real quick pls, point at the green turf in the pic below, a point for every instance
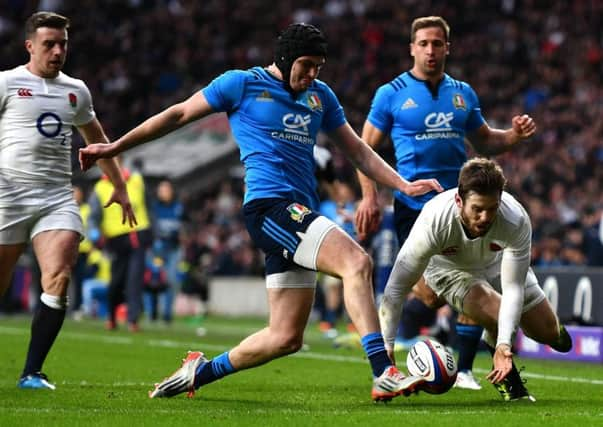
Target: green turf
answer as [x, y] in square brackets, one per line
[103, 377]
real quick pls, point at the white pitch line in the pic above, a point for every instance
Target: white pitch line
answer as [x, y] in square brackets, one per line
[301, 354]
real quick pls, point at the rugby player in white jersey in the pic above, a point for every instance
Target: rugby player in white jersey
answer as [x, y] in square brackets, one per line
[472, 244]
[39, 105]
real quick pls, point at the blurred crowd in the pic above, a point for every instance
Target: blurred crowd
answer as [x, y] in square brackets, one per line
[542, 57]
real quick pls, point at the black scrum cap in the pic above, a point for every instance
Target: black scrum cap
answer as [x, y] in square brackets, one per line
[295, 41]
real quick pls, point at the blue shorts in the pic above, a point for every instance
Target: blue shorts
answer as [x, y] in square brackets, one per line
[273, 225]
[404, 219]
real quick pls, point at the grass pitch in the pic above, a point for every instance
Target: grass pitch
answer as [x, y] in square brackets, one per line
[103, 378]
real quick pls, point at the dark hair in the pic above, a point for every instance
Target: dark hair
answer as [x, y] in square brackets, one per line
[427, 22]
[45, 19]
[294, 41]
[482, 176]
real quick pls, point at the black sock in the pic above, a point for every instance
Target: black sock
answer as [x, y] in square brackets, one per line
[45, 327]
[468, 337]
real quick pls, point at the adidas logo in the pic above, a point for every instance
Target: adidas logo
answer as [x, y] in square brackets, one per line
[409, 103]
[264, 97]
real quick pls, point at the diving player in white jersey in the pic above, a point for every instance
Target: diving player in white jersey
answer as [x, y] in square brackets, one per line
[472, 245]
[39, 105]
[428, 115]
[275, 114]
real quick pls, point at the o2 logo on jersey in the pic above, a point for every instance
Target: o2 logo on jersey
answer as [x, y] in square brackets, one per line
[50, 125]
[438, 121]
[297, 123]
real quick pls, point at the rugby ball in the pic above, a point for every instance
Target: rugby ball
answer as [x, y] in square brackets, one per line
[434, 362]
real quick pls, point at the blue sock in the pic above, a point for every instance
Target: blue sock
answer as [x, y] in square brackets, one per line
[215, 369]
[331, 317]
[468, 337]
[375, 350]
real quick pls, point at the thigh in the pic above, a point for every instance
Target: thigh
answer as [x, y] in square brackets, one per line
[468, 293]
[338, 253]
[20, 207]
[540, 322]
[56, 252]
[290, 309]
[427, 295]
[9, 255]
[482, 304]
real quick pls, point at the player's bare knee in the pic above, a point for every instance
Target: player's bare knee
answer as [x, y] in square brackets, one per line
[291, 343]
[431, 300]
[56, 283]
[359, 263]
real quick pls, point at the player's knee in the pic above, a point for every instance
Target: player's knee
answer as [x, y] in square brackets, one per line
[56, 283]
[289, 343]
[466, 320]
[359, 263]
[431, 300]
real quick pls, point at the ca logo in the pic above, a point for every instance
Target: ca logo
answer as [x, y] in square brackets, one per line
[296, 123]
[439, 120]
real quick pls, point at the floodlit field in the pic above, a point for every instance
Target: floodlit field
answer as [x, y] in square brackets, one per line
[103, 377]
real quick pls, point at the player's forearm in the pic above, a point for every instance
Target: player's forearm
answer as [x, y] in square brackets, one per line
[499, 141]
[390, 312]
[399, 285]
[509, 313]
[113, 172]
[369, 163]
[153, 128]
[368, 187]
[513, 277]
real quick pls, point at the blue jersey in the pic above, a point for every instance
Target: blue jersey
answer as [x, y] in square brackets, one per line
[427, 128]
[275, 132]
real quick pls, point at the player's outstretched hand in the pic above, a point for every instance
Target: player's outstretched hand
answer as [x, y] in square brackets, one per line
[422, 186]
[91, 153]
[503, 362]
[524, 126]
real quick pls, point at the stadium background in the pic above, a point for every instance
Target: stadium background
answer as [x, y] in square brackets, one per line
[541, 57]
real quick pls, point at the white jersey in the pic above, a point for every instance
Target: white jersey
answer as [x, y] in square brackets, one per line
[438, 241]
[37, 116]
[438, 236]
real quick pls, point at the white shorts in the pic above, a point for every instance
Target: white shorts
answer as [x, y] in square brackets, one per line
[454, 285]
[26, 211]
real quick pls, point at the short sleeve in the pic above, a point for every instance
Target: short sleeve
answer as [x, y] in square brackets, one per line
[225, 92]
[85, 110]
[380, 114]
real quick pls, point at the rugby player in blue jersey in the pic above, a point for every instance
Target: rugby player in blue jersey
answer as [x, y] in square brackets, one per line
[427, 114]
[275, 114]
